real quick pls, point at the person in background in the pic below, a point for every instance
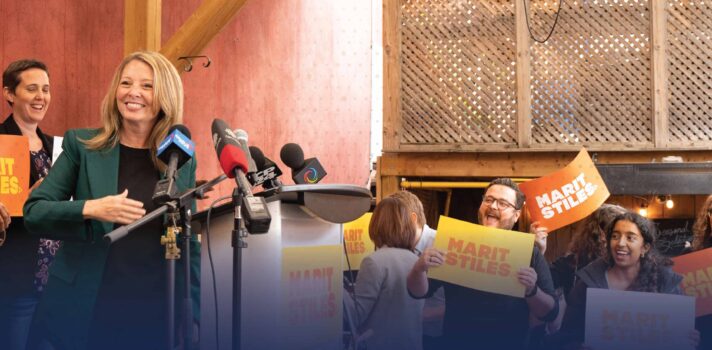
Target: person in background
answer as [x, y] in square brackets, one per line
[631, 263]
[702, 239]
[112, 297]
[24, 259]
[483, 319]
[380, 302]
[434, 309]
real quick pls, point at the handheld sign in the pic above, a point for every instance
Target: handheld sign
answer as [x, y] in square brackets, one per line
[566, 195]
[358, 244]
[482, 258]
[696, 269]
[636, 320]
[14, 172]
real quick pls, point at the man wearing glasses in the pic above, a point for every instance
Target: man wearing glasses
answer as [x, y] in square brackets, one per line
[483, 320]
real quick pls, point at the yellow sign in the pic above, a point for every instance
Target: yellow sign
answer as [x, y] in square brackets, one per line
[358, 244]
[312, 307]
[14, 172]
[482, 258]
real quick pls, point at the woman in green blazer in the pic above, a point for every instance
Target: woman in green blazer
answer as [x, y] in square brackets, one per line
[101, 296]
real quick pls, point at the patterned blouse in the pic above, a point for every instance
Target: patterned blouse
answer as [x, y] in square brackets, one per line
[48, 248]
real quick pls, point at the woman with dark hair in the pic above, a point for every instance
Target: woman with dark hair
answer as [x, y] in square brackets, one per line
[112, 297]
[631, 263]
[587, 245]
[702, 239]
[24, 259]
[380, 303]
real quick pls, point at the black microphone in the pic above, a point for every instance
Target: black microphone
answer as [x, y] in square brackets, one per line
[307, 171]
[234, 162]
[175, 150]
[267, 171]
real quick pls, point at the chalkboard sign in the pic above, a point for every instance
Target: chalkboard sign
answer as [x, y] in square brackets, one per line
[672, 235]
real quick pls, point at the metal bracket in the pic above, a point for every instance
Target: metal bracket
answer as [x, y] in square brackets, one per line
[189, 67]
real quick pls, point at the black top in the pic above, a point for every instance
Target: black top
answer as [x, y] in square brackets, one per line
[477, 319]
[130, 305]
[18, 256]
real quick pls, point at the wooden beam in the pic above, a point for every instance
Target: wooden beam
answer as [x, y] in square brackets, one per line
[509, 164]
[202, 26]
[391, 76]
[524, 108]
[142, 25]
[658, 66]
[385, 185]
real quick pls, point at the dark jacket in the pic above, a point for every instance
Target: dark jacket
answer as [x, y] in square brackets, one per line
[18, 256]
[67, 305]
[594, 276]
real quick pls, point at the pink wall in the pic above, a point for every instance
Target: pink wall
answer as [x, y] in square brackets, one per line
[284, 71]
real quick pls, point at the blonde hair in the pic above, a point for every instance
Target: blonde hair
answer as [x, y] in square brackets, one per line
[167, 100]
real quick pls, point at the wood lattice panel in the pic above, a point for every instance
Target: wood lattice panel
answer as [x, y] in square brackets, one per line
[458, 72]
[689, 49]
[591, 82]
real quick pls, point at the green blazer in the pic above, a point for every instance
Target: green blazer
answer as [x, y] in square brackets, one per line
[66, 307]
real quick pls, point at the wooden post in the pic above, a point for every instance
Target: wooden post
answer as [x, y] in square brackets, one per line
[385, 185]
[202, 26]
[658, 66]
[391, 76]
[142, 25]
[524, 109]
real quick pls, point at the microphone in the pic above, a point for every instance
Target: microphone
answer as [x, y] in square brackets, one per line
[174, 151]
[234, 162]
[267, 170]
[307, 171]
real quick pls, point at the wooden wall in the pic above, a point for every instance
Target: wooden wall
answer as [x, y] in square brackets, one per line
[284, 71]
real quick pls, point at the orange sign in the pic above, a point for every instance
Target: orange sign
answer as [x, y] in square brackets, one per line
[696, 269]
[566, 195]
[14, 172]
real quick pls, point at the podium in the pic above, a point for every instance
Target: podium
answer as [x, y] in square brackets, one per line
[291, 276]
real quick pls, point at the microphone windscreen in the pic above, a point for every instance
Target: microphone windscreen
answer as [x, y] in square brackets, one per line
[232, 157]
[182, 128]
[292, 155]
[177, 141]
[258, 157]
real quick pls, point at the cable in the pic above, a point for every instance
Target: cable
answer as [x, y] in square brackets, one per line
[529, 28]
[212, 268]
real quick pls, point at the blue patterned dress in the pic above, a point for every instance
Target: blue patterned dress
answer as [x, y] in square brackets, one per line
[48, 248]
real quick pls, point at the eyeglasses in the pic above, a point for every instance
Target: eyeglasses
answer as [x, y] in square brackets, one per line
[501, 203]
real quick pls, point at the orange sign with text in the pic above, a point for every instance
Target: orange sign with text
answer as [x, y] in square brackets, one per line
[696, 270]
[14, 172]
[482, 258]
[566, 195]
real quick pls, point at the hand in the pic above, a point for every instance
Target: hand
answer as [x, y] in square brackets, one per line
[527, 276]
[695, 338]
[117, 209]
[4, 217]
[431, 257]
[541, 233]
[36, 184]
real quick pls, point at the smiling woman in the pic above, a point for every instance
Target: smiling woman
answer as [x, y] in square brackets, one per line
[631, 263]
[24, 260]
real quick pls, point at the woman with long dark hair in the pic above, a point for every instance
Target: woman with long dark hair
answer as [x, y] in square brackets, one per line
[631, 263]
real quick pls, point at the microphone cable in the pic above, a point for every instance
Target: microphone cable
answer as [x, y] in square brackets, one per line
[212, 268]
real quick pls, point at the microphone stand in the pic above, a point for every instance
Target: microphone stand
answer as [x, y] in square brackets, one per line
[177, 207]
[239, 233]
